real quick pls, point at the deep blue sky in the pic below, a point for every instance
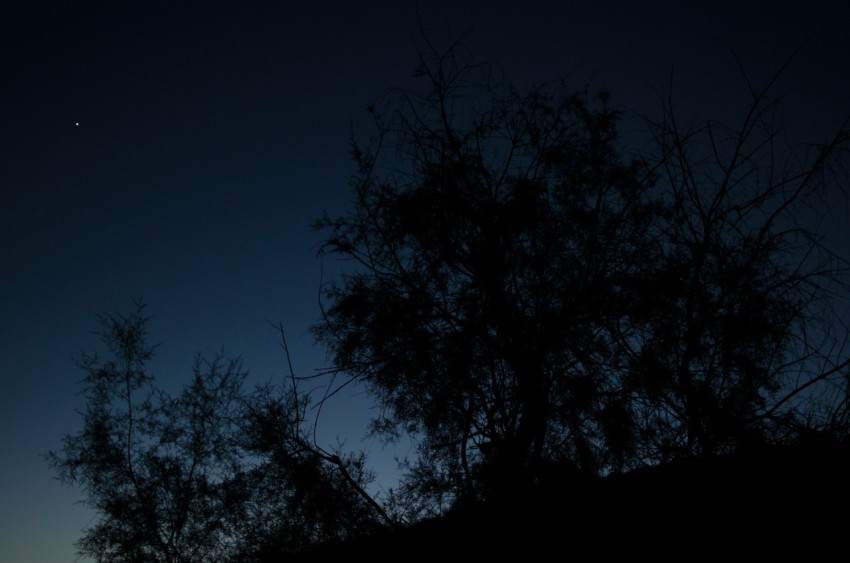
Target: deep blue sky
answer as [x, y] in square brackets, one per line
[211, 133]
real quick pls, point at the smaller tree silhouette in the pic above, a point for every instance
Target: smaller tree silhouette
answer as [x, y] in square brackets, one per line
[163, 473]
[213, 474]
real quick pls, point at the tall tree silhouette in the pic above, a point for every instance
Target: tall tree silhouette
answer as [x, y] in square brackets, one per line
[493, 244]
[524, 294]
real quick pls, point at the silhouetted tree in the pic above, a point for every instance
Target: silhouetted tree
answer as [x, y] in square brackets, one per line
[494, 234]
[523, 294]
[213, 474]
[162, 472]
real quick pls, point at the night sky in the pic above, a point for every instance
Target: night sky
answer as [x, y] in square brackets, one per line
[178, 151]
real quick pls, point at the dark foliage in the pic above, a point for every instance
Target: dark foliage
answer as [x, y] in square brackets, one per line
[493, 256]
[524, 294]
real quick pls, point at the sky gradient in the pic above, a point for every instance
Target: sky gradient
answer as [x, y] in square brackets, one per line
[177, 152]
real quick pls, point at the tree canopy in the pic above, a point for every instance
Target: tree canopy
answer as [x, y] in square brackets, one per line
[527, 292]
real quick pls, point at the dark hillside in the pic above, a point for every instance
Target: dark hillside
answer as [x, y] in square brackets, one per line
[766, 502]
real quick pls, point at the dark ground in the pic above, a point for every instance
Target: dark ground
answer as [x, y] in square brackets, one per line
[776, 502]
